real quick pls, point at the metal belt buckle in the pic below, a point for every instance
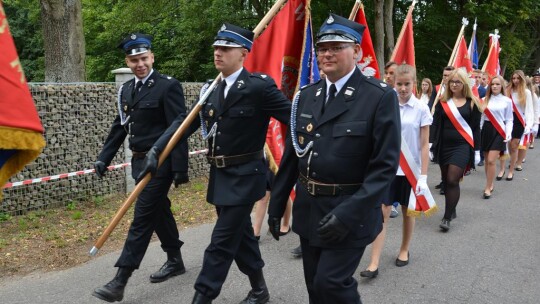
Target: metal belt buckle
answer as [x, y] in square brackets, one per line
[311, 187]
[220, 161]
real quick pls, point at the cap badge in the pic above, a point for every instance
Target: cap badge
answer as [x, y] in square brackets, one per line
[223, 27]
[133, 37]
[309, 127]
[330, 20]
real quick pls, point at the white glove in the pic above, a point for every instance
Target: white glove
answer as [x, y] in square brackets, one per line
[430, 153]
[476, 157]
[508, 137]
[527, 130]
[421, 185]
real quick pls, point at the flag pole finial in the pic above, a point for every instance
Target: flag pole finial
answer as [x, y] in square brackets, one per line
[464, 21]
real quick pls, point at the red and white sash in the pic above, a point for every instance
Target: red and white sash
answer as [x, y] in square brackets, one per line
[498, 125]
[458, 121]
[417, 204]
[525, 138]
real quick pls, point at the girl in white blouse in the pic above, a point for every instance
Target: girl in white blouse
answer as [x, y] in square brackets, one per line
[523, 119]
[497, 129]
[415, 121]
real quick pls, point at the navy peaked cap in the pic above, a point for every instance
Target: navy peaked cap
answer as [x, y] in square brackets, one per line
[136, 43]
[339, 29]
[230, 35]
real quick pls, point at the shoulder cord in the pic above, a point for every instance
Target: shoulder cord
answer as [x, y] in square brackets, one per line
[123, 118]
[205, 134]
[294, 109]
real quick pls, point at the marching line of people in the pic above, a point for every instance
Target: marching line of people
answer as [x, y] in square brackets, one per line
[341, 156]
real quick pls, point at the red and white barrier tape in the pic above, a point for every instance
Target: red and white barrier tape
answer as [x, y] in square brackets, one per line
[66, 175]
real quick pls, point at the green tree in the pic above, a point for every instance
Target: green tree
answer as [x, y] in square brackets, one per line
[25, 26]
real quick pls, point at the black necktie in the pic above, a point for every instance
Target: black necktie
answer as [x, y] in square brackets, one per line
[136, 90]
[222, 86]
[331, 95]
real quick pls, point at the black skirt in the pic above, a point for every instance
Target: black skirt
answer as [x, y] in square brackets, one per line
[491, 139]
[400, 191]
[518, 129]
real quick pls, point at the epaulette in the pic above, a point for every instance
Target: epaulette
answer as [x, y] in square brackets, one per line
[378, 83]
[310, 84]
[166, 77]
[260, 75]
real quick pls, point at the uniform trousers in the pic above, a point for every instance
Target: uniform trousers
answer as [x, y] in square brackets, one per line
[232, 239]
[152, 213]
[328, 273]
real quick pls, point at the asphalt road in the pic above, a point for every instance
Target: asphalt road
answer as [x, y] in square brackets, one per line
[490, 255]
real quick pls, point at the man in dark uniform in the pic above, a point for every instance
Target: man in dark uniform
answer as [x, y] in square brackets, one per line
[147, 105]
[234, 120]
[342, 153]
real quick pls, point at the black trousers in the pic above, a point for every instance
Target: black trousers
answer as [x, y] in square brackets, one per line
[152, 213]
[328, 273]
[232, 239]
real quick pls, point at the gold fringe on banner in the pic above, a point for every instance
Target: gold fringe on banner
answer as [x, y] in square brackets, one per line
[29, 145]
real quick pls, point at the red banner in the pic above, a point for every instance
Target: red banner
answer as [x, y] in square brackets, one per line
[368, 61]
[404, 50]
[463, 59]
[277, 52]
[21, 138]
[491, 65]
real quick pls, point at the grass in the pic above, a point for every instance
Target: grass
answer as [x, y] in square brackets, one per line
[60, 238]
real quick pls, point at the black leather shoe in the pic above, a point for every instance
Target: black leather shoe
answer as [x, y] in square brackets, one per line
[445, 225]
[369, 274]
[439, 186]
[297, 252]
[199, 298]
[173, 267]
[114, 290]
[441, 191]
[501, 177]
[401, 263]
[285, 233]
[486, 196]
[257, 297]
[509, 178]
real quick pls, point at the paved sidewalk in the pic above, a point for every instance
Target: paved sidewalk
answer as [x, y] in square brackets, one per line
[490, 255]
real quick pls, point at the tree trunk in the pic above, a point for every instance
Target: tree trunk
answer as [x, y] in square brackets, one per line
[379, 34]
[63, 40]
[389, 27]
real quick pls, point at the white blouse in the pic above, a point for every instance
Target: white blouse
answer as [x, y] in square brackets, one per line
[414, 115]
[501, 108]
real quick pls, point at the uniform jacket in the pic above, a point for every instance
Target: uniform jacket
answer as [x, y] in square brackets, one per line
[356, 140]
[159, 101]
[242, 122]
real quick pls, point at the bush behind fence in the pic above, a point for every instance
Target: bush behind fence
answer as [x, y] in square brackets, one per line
[76, 119]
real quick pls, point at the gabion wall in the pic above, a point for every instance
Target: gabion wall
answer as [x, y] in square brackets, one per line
[76, 119]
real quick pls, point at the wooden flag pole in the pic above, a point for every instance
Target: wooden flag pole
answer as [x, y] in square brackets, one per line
[176, 138]
[355, 9]
[464, 23]
[402, 32]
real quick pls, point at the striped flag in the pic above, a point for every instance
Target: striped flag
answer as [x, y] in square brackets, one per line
[21, 132]
[473, 48]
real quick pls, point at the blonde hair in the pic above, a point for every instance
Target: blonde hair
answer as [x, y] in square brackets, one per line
[519, 89]
[466, 91]
[489, 93]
